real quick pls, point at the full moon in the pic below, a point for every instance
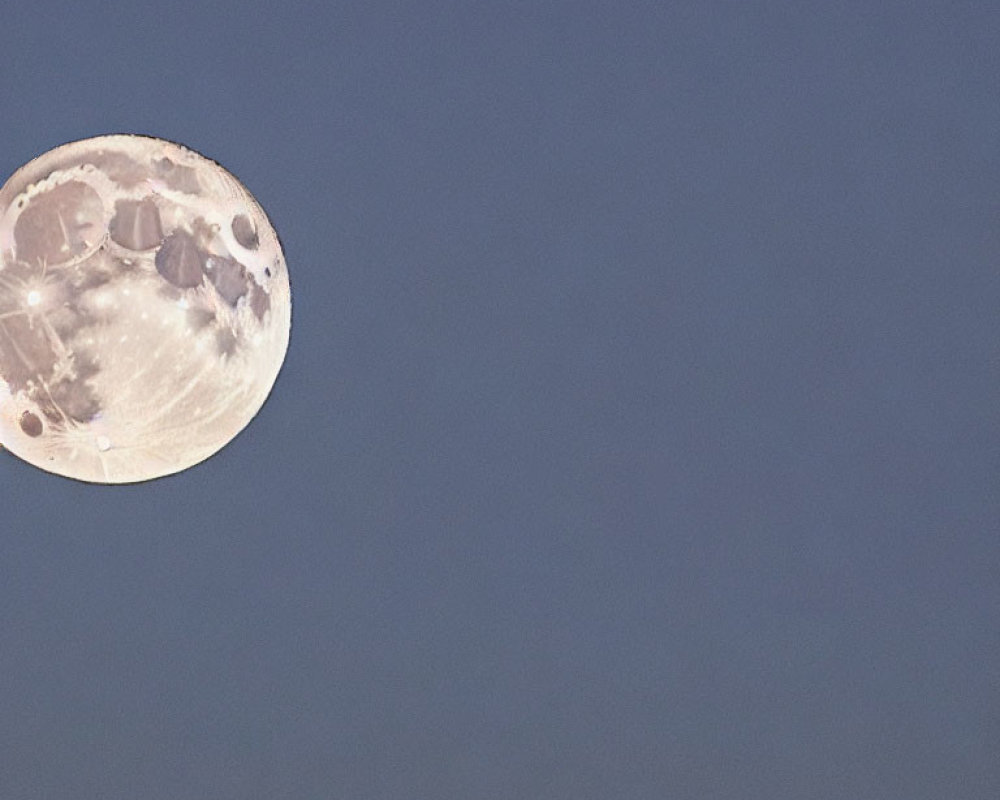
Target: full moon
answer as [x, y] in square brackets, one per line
[144, 309]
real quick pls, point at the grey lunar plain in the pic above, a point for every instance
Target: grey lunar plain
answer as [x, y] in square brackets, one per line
[144, 309]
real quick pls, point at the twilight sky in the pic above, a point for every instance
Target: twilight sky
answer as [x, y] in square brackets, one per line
[638, 435]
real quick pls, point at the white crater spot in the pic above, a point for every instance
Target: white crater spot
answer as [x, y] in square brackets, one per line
[144, 309]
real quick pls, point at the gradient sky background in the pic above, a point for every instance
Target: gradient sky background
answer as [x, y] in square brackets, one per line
[638, 436]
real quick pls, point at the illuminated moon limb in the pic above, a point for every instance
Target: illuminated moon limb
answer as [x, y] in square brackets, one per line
[144, 309]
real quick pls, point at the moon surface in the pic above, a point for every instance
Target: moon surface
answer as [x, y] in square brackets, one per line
[144, 309]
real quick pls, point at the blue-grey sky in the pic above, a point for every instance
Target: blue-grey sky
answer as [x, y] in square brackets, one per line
[638, 435]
